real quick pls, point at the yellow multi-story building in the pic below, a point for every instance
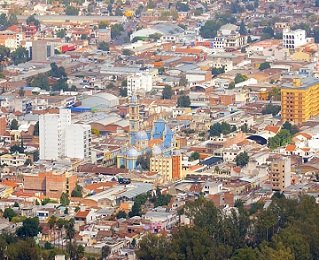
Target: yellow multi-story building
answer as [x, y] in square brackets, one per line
[169, 167]
[300, 100]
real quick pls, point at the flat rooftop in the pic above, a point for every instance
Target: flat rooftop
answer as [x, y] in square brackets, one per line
[306, 82]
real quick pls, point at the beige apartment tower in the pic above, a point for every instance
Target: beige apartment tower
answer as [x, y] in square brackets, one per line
[280, 173]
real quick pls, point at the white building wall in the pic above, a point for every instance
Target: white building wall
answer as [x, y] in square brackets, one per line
[194, 78]
[313, 143]
[139, 83]
[287, 177]
[49, 136]
[59, 138]
[77, 141]
[294, 39]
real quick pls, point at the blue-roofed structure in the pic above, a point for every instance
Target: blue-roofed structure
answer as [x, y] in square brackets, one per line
[80, 109]
[159, 140]
[212, 161]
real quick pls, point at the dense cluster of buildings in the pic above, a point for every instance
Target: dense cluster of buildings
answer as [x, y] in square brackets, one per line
[153, 101]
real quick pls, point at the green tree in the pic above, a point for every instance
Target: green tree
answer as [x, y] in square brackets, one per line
[268, 33]
[105, 252]
[281, 252]
[30, 228]
[123, 91]
[45, 201]
[240, 78]
[28, 162]
[23, 250]
[160, 199]
[61, 33]
[116, 30]
[103, 46]
[217, 71]
[40, 81]
[275, 94]
[183, 81]
[231, 85]
[31, 20]
[194, 156]
[209, 30]
[167, 92]
[121, 214]
[242, 28]
[9, 213]
[73, 88]
[291, 238]
[153, 247]
[84, 37]
[14, 125]
[56, 71]
[64, 199]
[143, 162]
[221, 128]
[21, 92]
[138, 202]
[69, 229]
[271, 109]
[70, 10]
[274, 142]
[60, 84]
[235, 7]
[20, 55]
[155, 37]
[264, 65]
[242, 159]
[183, 101]
[161, 70]
[291, 128]
[77, 192]
[48, 245]
[127, 52]
[245, 254]
[36, 129]
[182, 7]
[244, 128]
[4, 53]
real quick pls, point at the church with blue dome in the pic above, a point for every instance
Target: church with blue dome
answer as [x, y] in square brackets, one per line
[158, 141]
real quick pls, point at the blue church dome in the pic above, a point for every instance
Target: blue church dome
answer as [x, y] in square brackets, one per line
[132, 152]
[141, 135]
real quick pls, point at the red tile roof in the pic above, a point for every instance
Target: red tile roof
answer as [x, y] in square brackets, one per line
[82, 214]
[290, 147]
[273, 129]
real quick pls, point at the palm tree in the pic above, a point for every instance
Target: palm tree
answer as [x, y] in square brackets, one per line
[69, 229]
[106, 251]
[60, 224]
[52, 222]
[70, 233]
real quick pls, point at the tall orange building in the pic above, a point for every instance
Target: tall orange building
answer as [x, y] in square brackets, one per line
[300, 100]
[3, 125]
[176, 167]
[50, 184]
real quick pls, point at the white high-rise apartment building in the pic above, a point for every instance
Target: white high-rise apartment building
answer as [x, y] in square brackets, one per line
[293, 39]
[139, 83]
[56, 140]
[78, 141]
